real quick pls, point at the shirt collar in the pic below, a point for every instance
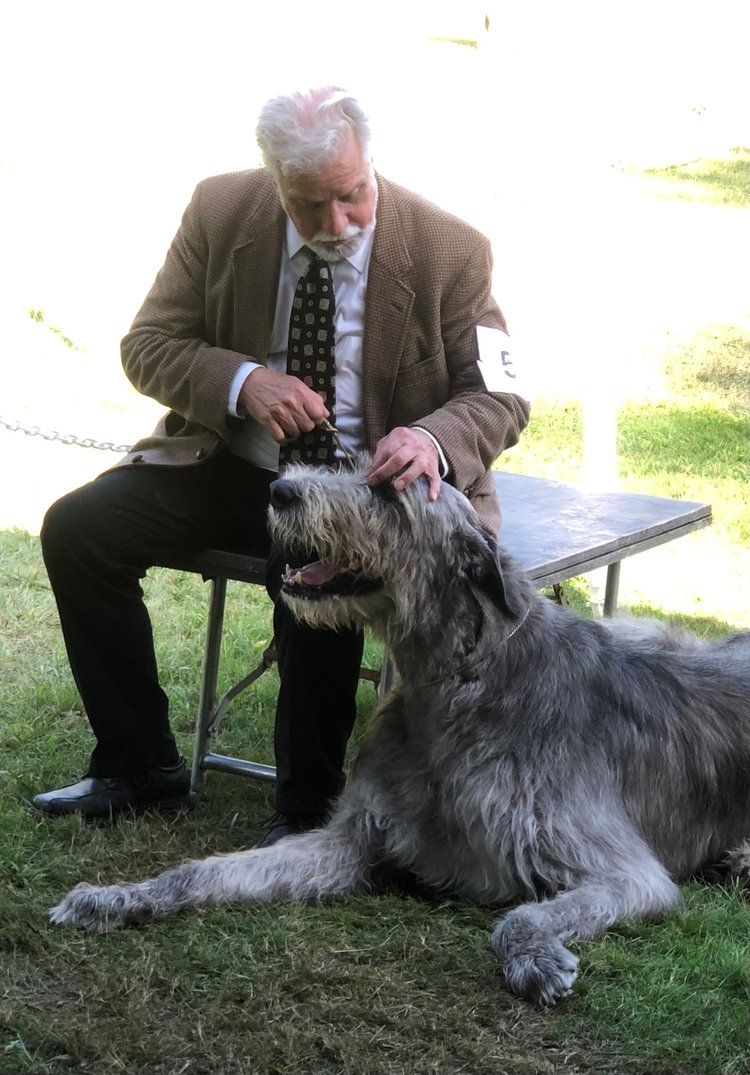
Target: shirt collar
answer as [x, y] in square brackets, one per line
[359, 261]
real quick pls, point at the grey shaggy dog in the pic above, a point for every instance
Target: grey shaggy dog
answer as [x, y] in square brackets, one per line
[524, 755]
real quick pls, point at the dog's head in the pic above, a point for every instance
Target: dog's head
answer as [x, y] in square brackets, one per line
[376, 550]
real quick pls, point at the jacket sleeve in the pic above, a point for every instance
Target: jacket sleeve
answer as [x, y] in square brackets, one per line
[168, 353]
[473, 426]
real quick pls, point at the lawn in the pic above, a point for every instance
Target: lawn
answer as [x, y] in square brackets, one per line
[383, 984]
[718, 181]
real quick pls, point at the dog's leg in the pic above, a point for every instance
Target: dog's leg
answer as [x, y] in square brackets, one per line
[738, 860]
[528, 940]
[331, 860]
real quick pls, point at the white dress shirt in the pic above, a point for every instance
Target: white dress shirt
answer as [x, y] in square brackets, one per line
[252, 441]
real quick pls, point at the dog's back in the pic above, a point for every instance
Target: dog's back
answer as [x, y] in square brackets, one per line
[685, 770]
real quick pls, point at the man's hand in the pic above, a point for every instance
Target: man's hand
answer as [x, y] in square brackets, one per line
[283, 404]
[408, 453]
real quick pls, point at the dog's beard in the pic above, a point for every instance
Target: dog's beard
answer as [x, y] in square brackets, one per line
[337, 611]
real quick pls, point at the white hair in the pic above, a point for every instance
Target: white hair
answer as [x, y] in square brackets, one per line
[299, 131]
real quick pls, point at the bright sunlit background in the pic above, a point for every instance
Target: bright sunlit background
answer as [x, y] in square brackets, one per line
[113, 112]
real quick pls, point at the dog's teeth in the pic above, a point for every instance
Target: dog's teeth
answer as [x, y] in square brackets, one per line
[287, 569]
[298, 578]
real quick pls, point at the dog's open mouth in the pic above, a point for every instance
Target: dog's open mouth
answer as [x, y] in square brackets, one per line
[327, 578]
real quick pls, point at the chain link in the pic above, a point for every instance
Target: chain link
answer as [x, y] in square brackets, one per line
[63, 438]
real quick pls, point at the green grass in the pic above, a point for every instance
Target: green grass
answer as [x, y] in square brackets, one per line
[684, 983]
[466, 42]
[389, 984]
[695, 443]
[715, 181]
[552, 443]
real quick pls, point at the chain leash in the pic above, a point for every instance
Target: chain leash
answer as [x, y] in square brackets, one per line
[62, 438]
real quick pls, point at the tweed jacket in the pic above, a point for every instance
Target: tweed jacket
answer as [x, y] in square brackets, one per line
[212, 306]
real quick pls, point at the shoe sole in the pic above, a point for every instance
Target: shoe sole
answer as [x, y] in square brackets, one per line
[180, 804]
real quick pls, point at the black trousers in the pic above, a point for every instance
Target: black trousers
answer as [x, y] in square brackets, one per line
[98, 542]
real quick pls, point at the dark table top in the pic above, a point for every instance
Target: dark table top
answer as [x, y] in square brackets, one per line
[555, 531]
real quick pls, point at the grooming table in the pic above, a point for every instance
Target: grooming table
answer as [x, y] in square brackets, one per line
[553, 530]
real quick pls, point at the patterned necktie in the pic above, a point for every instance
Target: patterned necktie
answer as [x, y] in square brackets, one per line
[311, 356]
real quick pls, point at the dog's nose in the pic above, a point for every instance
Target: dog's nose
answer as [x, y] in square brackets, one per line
[284, 492]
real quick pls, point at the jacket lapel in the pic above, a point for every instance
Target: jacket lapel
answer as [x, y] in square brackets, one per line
[388, 304]
[256, 265]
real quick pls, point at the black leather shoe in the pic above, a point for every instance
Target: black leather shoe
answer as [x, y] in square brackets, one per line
[281, 825]
[166, 788]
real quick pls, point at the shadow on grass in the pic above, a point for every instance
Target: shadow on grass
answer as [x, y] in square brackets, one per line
[713, 362]
[674, 441]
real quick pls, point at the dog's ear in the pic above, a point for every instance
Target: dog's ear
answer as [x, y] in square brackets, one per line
[483, 569]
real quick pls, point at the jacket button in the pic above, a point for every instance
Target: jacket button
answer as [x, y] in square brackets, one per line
[137, 459]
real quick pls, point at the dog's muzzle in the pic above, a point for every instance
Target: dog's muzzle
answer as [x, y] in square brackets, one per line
[317, 580]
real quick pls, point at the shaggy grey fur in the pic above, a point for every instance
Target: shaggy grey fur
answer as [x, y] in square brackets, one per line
[524, 755]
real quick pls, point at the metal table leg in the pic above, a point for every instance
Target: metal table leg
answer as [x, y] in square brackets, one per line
[611, 589]
[208, 679]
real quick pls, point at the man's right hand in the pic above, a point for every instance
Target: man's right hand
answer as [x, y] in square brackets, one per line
[284, 405]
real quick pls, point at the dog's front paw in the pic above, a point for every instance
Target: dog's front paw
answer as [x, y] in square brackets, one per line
[98, 910]
[738, 861]
[542, 971]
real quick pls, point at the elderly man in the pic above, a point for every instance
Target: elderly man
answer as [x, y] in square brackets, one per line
[312, 289]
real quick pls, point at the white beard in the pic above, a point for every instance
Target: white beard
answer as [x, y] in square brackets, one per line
[349, 242]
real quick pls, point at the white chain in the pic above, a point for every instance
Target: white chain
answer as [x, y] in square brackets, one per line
[63, 438]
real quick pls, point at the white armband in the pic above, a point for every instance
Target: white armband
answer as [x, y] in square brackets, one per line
[497, 363]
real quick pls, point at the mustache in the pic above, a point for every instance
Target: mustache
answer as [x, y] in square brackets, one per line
[351, 231]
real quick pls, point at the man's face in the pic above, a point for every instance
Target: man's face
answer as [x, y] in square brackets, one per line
[333, 210]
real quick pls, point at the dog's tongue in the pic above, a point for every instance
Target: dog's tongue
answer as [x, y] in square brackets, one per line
[320, 572]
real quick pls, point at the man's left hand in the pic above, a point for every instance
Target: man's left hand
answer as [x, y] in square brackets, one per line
[408, 454]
